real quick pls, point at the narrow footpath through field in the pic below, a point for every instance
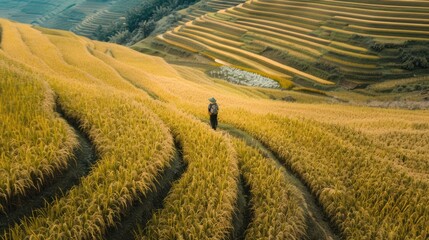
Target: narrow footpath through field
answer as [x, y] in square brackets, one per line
[243, 214]
[318, 226]
[58, 185]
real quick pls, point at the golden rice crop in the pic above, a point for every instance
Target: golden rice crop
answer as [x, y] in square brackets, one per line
[34, 49]
[113, 120]
[201, 203]
[79, 55]
[248, 58]
[354, 180]
[367, 167]
[35, 143]
[122, 173]
[276, 205]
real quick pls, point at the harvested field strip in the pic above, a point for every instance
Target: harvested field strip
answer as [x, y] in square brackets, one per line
[259, 59]
[297, 20]
[298, 12]
[384, 24]
[350, 64]
[312, 18]
[280, 33]
[383, 7]
[29, 157]
[263, 62]
[311, 217]
[242, 16]
[220, 25]
[377, 17]
[261, 29]
[346, 46]
[227, 36]
[212, 37]
[385, 31]
[218, 6]
[198, 12]
[292, 49]
[228, 54]
[374, 35]
[279, 28]
[337, 10]
[266, 19]
[277, 43]
[399, 5]
[360, 16]
[171, 39]
[194, 15]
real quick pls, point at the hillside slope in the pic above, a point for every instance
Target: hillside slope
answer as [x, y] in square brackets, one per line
[272, 170]
[80, 16]
[320, 42]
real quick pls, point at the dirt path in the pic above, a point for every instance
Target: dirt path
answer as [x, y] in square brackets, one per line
[57, 186]
[243, 214]
[318, 226]
[142, 210]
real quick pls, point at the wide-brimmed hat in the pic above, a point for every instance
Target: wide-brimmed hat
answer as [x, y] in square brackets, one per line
[213, 100]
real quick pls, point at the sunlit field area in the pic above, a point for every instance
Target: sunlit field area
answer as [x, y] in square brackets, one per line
[100, 141]
[314, 43]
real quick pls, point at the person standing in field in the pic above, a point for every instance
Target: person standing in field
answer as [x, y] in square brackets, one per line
[213, 111]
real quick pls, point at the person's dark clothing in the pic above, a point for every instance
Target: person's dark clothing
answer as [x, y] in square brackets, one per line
[213, 110]
[213, 121]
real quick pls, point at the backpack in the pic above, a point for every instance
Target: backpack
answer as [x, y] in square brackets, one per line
[214, 108]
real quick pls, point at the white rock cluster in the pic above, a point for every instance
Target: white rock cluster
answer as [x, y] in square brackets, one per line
[241, 77]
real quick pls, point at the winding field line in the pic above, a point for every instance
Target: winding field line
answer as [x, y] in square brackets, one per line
[58, 185]
[142, 209]
[239, 15]
[404, 38]
[394, 32]
[384, 24]
[213, 37]
[234, 38]
[376, 17]
[386, 4]
[267, 62]
[303, 32]
[317, 7]
[317, 226]
[228, 55]
[267, 30]
[300, 20]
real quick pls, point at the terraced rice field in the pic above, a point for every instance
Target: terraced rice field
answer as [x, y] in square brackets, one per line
[150, 167]
[308, 36]
[204, 7]
[80, 16]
